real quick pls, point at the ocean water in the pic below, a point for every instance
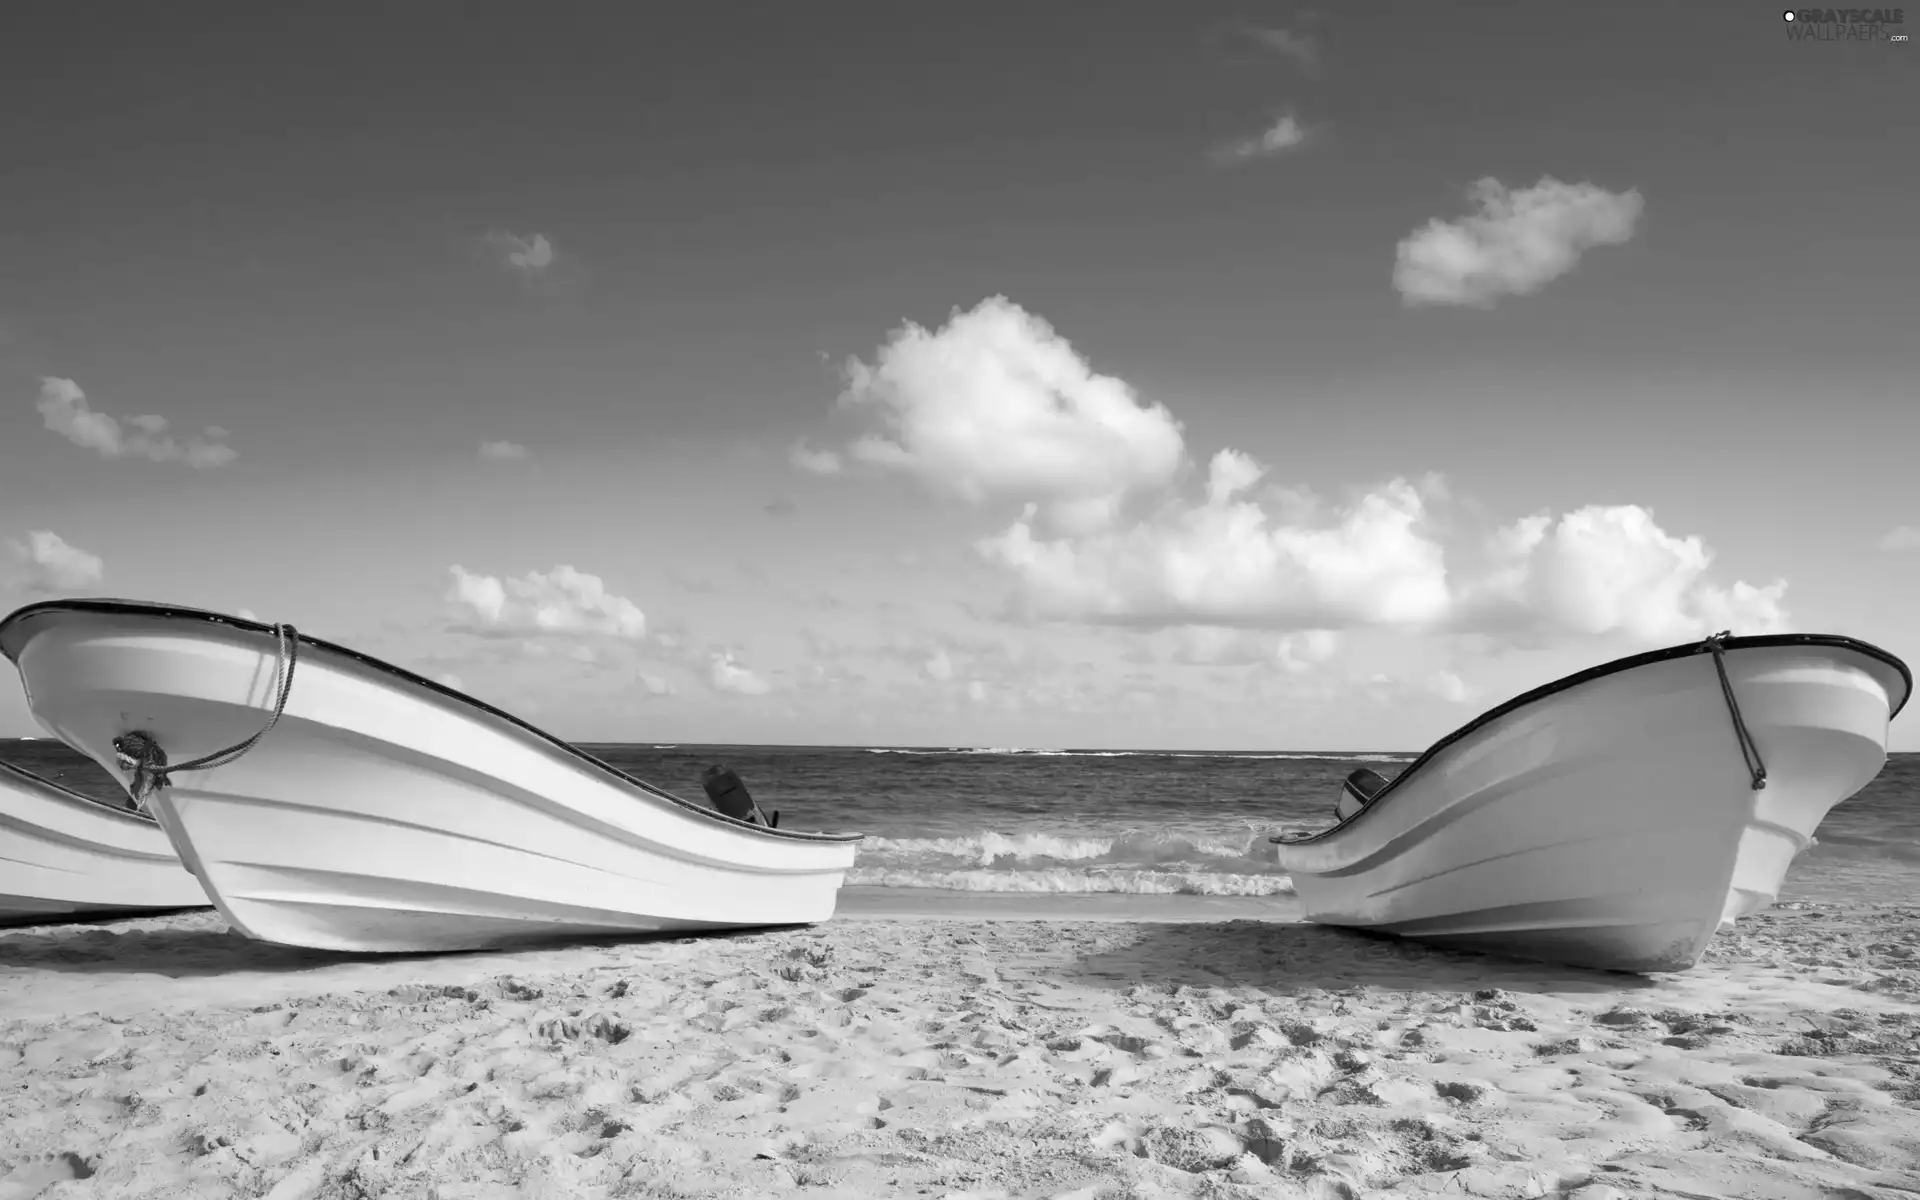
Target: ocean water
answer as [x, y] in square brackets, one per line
[1112, 832]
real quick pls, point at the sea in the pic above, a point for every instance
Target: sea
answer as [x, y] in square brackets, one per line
[1165, 834]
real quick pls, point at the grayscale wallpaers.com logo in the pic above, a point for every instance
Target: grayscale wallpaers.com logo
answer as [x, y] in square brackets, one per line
[1846, 24]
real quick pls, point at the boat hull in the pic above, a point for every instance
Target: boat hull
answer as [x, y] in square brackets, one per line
[65, 855]
[1612, 822]
[387, 814]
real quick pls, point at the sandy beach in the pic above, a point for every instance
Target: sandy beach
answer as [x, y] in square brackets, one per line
[878, 1056]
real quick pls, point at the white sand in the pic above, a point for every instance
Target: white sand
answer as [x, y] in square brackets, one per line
[878, 1057]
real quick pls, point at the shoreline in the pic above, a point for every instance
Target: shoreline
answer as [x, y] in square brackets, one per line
[863, 902]
[955, 1056]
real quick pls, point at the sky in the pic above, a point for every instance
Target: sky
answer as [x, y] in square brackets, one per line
[1229, 375]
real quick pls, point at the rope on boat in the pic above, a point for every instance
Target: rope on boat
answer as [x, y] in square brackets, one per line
[139, 752]
[1749, 752]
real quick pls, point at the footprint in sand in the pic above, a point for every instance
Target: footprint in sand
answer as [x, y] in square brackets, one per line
[30, 1178]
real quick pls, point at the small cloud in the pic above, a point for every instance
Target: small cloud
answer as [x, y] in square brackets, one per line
[1449, 687]
[450, 680]
[779, 508]
[562, 600]
[527, 256]
[814, 462]
[938, 667]
[1517, 243]
[726, 675]
[1302, 49]
[1286, 133]
[55, 566]
[247, 614]
[977, 691]
[1902, 537]
[502, 451]
[1307, 649]
[655, 685]
[64, 408]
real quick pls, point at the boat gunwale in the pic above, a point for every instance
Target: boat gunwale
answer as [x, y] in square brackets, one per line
[1764, 641]
[34, 778]
[11, 645]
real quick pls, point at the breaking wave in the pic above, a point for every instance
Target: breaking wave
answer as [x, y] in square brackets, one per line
[1134, 882]
[1012, 751]
[1143, 862]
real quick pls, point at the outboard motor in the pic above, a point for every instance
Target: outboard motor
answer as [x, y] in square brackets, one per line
[1358, 792]
[730, 797]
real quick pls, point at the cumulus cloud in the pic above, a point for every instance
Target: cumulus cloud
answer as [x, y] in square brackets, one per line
[1224, 562]
[726, 675]
[527, 256]
[814, 462]
[1286, 133]
[502, 451]
[1603, 569]
[53, 565]
[938, 667]
[448, 679]
[995, 405]
[1901, 537]
[562, 600]
[1518, 242]
[64, 408]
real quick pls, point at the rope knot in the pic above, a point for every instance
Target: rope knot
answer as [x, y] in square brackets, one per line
[138, 751]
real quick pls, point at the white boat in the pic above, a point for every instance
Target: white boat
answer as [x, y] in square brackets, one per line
[64, 854]
[352, 805]
[1617, 818]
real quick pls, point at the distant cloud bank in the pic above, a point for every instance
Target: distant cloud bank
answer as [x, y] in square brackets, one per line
[1518, 242]
[64, 408]
[502, 451]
